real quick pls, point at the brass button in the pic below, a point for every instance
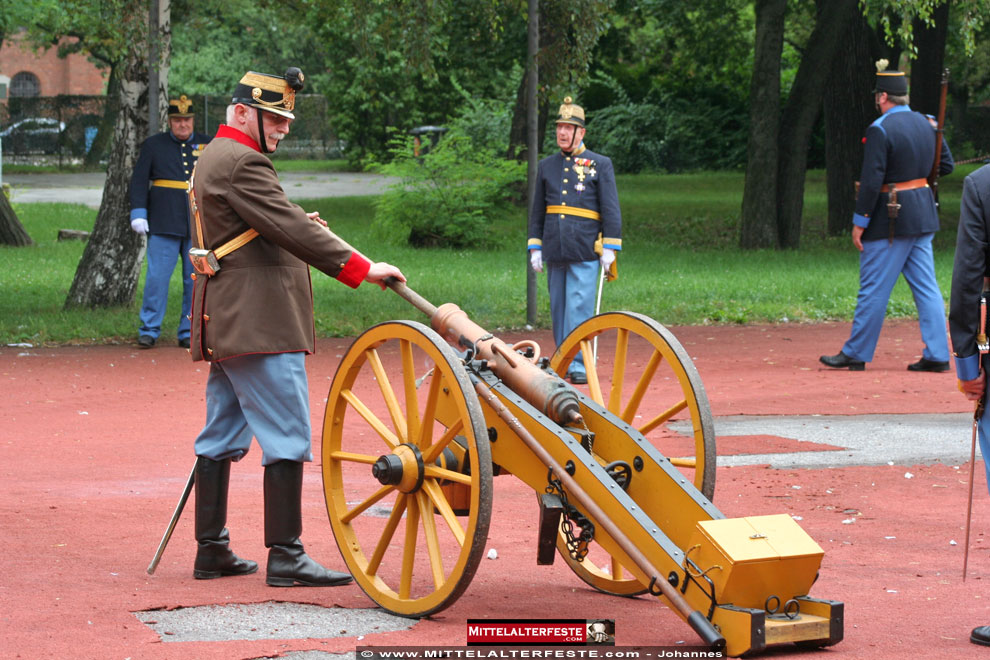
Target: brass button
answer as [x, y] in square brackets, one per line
[564, 192]
[206, 317]
[189, 316]
[565, 180]
[192, 276]
[210, 351]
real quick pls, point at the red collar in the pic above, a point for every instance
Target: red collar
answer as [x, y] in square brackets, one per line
[226, 131]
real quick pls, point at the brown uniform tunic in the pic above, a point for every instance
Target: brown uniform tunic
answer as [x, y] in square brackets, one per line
[261, 300]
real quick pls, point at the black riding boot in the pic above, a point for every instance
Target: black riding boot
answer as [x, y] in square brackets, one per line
[288, 563]
[213, 557]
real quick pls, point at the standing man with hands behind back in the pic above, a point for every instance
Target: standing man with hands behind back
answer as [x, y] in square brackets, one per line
[159, 209]
[253, 322]
[893, 227]
[575, 204]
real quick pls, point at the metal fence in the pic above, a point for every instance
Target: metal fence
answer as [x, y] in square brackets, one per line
[68, 129]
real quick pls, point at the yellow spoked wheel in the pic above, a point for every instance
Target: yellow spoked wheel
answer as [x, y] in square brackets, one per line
[643, 375]
[407, 469]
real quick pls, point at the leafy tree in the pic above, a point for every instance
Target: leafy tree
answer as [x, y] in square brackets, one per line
[778, 224]
[114, 32]
[12, 232]
[395, 64]
[671, 78]
[569, 33]
[217, 41]
[445, 197]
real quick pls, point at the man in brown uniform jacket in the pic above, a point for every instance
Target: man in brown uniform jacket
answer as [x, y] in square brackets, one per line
[252, 319]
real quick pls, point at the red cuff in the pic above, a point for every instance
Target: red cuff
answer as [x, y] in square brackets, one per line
[354, 271]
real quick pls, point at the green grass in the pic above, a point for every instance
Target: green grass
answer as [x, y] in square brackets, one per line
[291, 165]
[680, 266]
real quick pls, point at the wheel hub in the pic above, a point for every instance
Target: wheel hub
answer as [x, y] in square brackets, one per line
[403, 468]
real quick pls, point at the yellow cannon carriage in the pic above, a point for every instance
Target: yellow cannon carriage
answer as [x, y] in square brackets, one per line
[419, 420]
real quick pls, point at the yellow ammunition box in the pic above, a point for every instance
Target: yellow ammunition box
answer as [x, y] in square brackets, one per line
[752, 560]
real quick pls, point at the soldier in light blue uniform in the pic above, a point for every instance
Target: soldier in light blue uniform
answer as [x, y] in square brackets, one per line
[898, 157]
[575, 202]
[160, 209]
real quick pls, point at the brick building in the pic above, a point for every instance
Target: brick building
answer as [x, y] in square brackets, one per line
[24, 72]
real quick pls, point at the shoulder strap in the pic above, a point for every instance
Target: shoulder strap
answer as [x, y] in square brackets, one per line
[228, 247]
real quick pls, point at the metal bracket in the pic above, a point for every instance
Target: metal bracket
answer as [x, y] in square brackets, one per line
[551, 509]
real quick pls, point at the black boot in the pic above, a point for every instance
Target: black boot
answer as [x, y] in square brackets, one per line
[288, 563]
[213, 557]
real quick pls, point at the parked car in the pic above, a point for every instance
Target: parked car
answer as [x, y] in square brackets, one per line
[34, 135]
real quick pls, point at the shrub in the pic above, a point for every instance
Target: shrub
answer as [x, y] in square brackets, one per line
[445, 197]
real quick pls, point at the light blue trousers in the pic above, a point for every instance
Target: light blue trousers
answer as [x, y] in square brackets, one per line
[572, 287]
[880, 264]
[264, 396]
[162, 252]
[984, 426]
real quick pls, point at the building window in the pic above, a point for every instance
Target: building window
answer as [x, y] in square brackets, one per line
[25, 83]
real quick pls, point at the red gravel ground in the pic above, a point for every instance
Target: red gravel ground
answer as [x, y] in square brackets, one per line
[96, 443]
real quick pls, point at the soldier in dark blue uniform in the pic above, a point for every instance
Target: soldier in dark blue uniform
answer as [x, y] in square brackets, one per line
[967, 317]
[575, 202]
[898, 157]
[160, 209]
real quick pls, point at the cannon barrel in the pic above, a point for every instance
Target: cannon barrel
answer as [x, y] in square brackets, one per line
[547, 393]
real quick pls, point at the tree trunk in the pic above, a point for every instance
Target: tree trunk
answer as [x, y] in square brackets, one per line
[163, 41]
[803, 105]
[108, 271]
[104, 134]
[11, 230]
[759, 208]
[518, 138]
[926, 70]
[848, 111]
[518, 131]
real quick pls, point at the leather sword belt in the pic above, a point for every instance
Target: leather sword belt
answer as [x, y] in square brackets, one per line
[205, 261]
[905, 185]
[573, 210]
[169, 183]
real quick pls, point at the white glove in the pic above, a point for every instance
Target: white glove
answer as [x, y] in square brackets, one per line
[536, 260]
[140, 225]
[608, 256]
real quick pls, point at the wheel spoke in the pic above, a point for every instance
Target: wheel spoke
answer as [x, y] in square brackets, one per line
[437, 472]
[618, 371]
[409, 385]
[443, 506]
[616, 569]
[351, 457]
[664, 416]
[432, 542]
[387, 533]
[433, 452]
[429, 413]
[689, 462]
[378, 425]
[641, 386]
[591, 370]
[409, 548]
[388, 394]
[365, 505]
